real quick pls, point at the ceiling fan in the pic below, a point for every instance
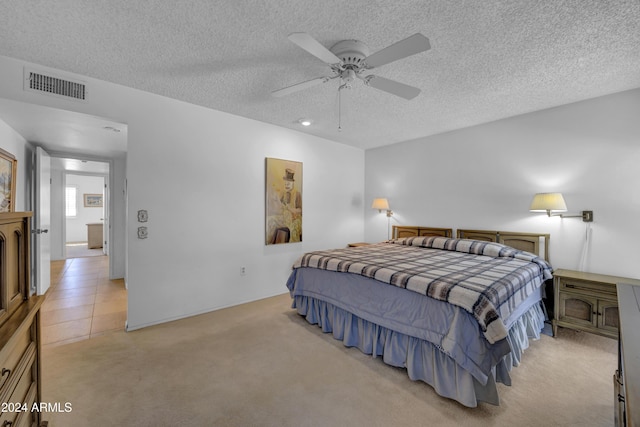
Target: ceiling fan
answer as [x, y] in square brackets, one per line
[350, 60]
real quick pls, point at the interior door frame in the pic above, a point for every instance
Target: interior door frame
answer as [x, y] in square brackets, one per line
[41, 274]
[109, 211]
[107, 207]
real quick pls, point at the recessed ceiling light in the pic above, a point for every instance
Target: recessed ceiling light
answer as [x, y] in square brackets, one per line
[305, 122]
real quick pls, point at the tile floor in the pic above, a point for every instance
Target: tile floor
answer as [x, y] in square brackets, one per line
[82, 302]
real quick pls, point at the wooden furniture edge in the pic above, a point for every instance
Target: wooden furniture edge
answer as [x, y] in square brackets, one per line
[14, 325]
[628, 350]
[595, 277]
[15, 215]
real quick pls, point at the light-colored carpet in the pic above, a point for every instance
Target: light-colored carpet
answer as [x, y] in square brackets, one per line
[81, 250]
[261, 364]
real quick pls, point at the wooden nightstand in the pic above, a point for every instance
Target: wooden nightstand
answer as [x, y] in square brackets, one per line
[355, 245]
[587, 302]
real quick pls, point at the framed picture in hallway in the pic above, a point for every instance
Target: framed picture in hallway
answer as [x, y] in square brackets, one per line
[8, 172]
[283, 195]
[92, 200]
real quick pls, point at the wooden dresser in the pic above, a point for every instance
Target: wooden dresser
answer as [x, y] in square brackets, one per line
[626, 381]
[20, 346]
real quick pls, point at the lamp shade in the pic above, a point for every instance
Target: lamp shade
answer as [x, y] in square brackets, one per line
[547, 202]
[380, 204]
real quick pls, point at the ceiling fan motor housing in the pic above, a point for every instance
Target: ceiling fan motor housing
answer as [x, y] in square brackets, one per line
[351, 52]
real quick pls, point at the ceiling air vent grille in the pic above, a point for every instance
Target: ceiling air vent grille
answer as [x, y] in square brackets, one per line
[53, 85]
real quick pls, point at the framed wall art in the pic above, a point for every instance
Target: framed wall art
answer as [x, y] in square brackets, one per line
[8, 174]
[283, 195]
[92, 200]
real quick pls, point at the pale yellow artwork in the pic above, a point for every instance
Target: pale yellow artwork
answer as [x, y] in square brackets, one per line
[8, 170]
[283, 201]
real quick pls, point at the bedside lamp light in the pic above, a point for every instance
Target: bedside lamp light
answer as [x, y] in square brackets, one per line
[383, 205]
[547, 202]
[554, 202]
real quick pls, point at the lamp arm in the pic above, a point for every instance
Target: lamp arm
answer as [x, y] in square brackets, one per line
[587, 216]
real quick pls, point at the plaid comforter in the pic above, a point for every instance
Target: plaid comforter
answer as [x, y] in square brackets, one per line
[489, 280]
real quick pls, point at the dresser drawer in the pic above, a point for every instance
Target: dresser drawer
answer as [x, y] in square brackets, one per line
[10, 357]
[588, 288]
[17, 407]
[28, 418]
[21, 373]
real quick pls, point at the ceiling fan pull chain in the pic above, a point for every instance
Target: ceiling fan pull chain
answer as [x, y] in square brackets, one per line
[340, 108]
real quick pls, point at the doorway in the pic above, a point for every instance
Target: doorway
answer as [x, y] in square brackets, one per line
[80, 206]
[83, 301]
[85, 207]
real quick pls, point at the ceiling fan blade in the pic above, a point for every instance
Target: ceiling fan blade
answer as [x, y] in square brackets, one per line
[314, 47]
[299, 86]
[410, 46]
[393, 87]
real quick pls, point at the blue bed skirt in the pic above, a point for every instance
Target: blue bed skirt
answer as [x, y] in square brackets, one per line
[423, 360]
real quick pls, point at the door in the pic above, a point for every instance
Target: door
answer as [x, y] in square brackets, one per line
[42, 221]
[105, 219]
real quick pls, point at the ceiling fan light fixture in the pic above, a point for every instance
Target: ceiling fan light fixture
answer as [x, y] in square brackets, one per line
[347, 59]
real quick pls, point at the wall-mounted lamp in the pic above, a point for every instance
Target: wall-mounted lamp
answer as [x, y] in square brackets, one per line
[383, 205]
[554, 202]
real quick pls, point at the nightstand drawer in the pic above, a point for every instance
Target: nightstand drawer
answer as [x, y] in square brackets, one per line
[586, 287]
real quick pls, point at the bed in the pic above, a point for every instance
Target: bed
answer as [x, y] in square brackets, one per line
[457, 313]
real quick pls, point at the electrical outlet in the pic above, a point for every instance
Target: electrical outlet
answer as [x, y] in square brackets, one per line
[243, 271]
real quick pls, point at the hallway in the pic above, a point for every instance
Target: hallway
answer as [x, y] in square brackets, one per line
[82, 302]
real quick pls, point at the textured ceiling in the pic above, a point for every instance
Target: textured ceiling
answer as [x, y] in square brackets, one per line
[488, 60]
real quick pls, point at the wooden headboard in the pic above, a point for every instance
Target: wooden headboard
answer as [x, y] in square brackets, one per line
[531, 242]
[400, 231]
[535, 243]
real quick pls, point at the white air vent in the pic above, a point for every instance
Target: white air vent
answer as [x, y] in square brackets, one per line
[47, 83]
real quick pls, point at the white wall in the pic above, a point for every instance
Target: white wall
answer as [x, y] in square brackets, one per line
[484, 177]
[76, 229]
[205, 200]
[200, 174]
